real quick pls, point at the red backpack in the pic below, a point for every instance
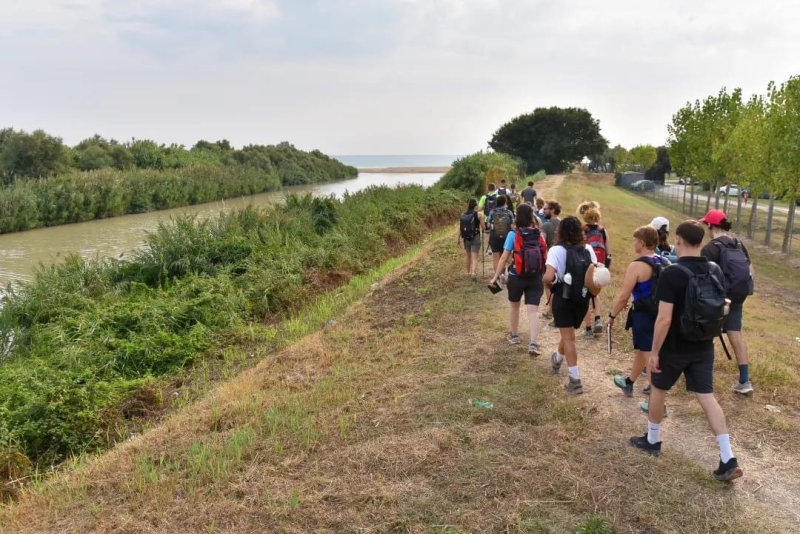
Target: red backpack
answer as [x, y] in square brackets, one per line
[529, 256]
[597, 240]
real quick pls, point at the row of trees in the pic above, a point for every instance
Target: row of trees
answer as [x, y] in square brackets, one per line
[38, 154]
[725, 140]
[653, 161]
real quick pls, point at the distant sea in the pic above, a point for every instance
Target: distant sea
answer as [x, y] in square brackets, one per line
[398, 161]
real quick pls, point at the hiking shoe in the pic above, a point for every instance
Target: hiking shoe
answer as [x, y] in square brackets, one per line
[645, 406]
[640, 442]
[554, 363]
[588, 334]
[622, 384]
[598, 325]
[533, 349]
[743, 389]
[728, 471]
[513, 339]
[646, 389]
[574, 387]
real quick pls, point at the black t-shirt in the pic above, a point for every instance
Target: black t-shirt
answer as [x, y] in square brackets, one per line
[713, 253]
[672, 289]
[528, 194]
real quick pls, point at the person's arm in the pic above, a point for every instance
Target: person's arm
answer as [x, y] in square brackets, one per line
[663, 323]
[549, 276]
[501, 266]
[752, 268]
[628, 283]
[482, 202]
[608, 242]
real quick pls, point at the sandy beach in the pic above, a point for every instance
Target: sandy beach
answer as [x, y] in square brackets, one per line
[403, 170]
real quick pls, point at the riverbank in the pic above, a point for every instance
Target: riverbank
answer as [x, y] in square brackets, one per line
[404, 170]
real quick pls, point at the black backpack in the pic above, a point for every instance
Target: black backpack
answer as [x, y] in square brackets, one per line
[578, 261]
[736, 267]
[650, 304]
[469, 225]
[502, 219]
[490, 204]
[704, 305]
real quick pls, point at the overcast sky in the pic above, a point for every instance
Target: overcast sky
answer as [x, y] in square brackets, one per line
[376, 76]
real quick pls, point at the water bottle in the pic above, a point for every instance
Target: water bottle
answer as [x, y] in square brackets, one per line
[727, 308]
[482, 404]
[565, 292]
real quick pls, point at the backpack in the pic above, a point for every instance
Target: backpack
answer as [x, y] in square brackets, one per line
[704, 306]
[650, 304]
[597, 240]
[502, 220]
[469, 225]
[736, 267]
[528, 254]
[502, 191]
[578, 262]
[489, 204]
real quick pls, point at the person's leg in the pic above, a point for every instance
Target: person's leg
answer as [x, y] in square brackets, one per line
[474, 266]
[657, 398]
[639, 363]
[714, 413]
[533, 322]
[740, 350]
[468, 256]
[513, 316]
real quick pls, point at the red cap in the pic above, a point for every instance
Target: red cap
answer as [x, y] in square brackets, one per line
[714, 218]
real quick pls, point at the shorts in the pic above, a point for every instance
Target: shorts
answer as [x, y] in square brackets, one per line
[473, 245]
[698, 368]
[532, 288]
[733, 321]
[568, 313]
[643, 326]
[497, 244]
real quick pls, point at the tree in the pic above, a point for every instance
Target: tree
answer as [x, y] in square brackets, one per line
[34, 155]
[642, 157]
[93, 157]
[785, 120]
[658, 171]
[550, 138]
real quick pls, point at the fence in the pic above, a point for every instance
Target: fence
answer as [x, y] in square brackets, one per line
[761, 218]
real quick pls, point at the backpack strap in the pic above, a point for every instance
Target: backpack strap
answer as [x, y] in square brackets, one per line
[687, 271]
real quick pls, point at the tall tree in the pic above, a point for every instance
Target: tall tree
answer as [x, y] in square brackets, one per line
[33, 155]
[785, 118]
[550, 138]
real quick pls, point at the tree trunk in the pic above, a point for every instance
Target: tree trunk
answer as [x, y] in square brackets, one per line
[727, 198]
[787, 234]
[770, 213]
[683, 206]
[716, 194]
[739, 213]
[751, 227]
[708, 199]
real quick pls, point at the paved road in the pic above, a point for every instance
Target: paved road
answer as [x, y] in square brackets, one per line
[676, 191]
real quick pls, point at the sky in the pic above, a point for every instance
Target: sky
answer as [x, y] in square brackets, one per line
[377, 76]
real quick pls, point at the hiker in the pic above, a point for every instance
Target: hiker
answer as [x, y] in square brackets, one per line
[529, 194]
[540, 208]
[597, 238]
[501, 219]
[641, 280]
[486, 204]
[568, 266]
[734, 259]
[528, 249]
[552, 210]
[503, 189]
[691, 310]
[661, 224]
[513, 194]
[470, 232]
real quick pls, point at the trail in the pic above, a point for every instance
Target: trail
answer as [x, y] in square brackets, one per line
[770, 472]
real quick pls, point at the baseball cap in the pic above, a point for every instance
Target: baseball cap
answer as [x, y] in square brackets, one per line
[658, 222]
[714, 218]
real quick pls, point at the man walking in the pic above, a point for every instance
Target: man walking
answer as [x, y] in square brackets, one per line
[691, 304]
[529, 194]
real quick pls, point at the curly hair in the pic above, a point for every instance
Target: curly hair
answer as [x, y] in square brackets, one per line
[591, 216]
[570, 232]
[583, 207]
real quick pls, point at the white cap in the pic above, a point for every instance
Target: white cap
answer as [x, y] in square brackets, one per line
[658, 222]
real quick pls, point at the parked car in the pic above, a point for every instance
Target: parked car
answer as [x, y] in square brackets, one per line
[733, 191]
[643, 185]
[685, 181]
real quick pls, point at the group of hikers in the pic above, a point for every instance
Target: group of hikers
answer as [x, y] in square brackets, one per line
[684, 296]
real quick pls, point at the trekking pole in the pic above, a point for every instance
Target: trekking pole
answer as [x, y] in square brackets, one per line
[483, 258]
[725, 347]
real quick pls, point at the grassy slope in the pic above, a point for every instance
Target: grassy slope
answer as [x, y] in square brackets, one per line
[366, 427]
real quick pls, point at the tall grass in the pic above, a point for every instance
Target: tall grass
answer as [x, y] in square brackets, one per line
[85, 335]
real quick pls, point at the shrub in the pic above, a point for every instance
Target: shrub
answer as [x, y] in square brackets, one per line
[472, 173]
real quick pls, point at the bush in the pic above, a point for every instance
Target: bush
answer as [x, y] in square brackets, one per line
[472, 173]
[85, 335]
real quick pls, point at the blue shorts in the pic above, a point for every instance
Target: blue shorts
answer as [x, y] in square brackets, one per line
[643, 326]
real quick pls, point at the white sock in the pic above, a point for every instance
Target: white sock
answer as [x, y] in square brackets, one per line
[574, 373]
[559, 357]
[725, 452]
[653, 432]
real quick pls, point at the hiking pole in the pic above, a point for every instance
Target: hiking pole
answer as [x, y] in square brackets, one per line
[725, 347]
[483, 258]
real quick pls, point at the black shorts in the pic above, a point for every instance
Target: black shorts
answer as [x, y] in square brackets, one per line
[733, 321]
[496, 244]
[532, 288]
[698, 369]
[568, 313]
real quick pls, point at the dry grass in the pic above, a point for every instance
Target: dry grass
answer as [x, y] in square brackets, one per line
[367, 426]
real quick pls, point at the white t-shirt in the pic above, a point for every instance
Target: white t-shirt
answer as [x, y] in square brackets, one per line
[557, 259]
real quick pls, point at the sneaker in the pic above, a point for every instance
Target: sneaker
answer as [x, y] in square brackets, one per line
[574, 387]
[554, 363]
[552, 324]
[588, 334]
[728, 471]
[489, 252]
[474, 279]
[533, 349]
[513, 339]
[645, 406]
[743, 389]
[547, 315]
[640, 442]
[598, 325]
[647, 389]
[622, 384]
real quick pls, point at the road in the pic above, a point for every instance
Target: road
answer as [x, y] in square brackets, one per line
[676, 191]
